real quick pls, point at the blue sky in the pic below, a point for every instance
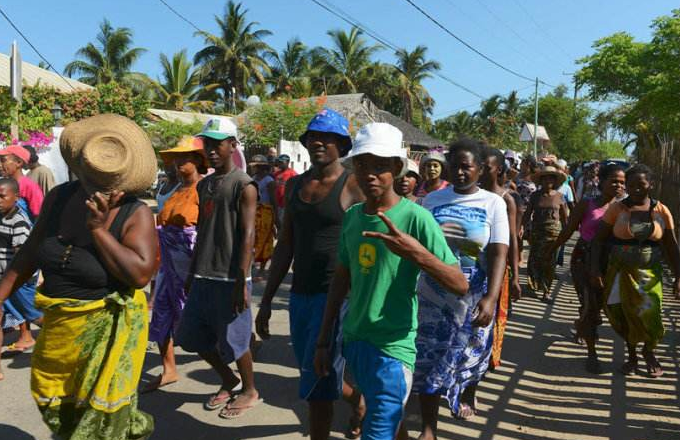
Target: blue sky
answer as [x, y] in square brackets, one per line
[535, 38]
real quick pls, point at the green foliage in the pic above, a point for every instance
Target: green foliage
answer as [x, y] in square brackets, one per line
[110, 59]
[609, 150]
[642, 74]
[268, 122]
[568, 124]
[166, 134]
[35, 113]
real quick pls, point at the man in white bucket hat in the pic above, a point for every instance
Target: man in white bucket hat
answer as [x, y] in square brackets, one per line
[384, 245]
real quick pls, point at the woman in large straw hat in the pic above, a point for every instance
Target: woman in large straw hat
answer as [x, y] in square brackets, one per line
[547, 214]
[96, 246]
[177, 236]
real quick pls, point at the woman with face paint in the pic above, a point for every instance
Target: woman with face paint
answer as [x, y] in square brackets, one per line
[454, 332]
[547, 214]
[433, 166]
[639, 234]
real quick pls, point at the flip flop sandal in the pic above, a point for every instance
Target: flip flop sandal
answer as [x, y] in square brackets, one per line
[241, 410]
[465, 412]
[653, 366]
[216, 402]
[14, 348]
[151, 386]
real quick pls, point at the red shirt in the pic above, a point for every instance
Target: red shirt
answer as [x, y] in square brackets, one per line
[281, 178]
[31, 192]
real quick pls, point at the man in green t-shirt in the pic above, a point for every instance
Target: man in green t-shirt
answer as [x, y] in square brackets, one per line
[384, 245]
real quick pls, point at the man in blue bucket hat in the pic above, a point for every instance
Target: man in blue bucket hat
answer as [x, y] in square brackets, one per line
[316, 202]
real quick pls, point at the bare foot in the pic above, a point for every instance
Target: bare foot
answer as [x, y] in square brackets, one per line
[240, 405]
[159, 382]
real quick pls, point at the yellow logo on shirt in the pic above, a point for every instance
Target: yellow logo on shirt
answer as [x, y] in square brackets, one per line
[366, 257]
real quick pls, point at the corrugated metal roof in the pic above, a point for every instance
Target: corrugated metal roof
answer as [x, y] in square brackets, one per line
[32, 75]
[184, 117]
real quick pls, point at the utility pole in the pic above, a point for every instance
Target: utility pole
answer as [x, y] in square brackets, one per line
[536, 120]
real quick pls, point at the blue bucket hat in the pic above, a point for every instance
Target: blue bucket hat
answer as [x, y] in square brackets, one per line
[329, 121]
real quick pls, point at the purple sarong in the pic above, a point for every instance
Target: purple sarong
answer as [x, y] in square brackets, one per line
[177, 246]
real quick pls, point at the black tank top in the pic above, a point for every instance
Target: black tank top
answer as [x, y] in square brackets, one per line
[316, 233]
[78, 274]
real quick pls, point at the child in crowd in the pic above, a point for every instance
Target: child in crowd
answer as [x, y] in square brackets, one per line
[15, 227]
[384, 245]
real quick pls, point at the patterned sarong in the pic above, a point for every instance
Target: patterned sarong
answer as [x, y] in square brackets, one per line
[87, 364]
[633, 296]
[176, 248]
[264, 233]
[501, 320]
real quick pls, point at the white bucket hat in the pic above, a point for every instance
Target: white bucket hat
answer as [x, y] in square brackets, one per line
[379, 139]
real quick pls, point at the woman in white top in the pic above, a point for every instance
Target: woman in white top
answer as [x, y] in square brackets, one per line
[454, 332]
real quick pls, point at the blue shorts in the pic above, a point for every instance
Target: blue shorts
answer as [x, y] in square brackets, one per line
[306, 314]
[209, 323]
[20, 306]
[385, 383]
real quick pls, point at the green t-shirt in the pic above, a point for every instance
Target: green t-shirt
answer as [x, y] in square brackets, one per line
[383, 306]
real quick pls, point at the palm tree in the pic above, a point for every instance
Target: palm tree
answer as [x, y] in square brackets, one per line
[512, 104]
[412, 69]
[180, 88]
[236, 57]
[290, 69]
[344, 64]
[110, 60]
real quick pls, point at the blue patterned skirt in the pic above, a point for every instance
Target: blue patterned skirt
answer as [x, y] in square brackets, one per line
[452, 353]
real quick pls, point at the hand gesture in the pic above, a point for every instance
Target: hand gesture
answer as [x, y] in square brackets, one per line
[485, 311]
[400, 243]
[239, 298]
[262, 321]
[100, 207]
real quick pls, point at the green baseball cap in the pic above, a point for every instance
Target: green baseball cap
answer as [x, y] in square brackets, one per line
[219, 128]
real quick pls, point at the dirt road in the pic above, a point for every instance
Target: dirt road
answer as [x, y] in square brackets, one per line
[540, 392]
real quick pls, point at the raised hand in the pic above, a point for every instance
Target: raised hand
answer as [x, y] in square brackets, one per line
[400, 243]
[100, 207]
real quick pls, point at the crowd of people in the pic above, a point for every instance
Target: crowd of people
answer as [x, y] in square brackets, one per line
[403, 273]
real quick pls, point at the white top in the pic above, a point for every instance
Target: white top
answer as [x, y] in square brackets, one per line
[481, 218]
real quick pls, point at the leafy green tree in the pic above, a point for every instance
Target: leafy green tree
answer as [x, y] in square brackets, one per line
[166, 134]
[290, 70]
[267, 123]
[460, 124]
[109, 60]
[235, 57]
[344, 65]
[567, 123]
[412, 69]
[179, 87]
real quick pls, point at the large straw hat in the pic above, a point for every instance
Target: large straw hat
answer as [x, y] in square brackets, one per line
[109, 152]
[550, 170]
[188, 144]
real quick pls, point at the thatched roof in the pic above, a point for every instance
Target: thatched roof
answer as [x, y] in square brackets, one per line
[360, 110]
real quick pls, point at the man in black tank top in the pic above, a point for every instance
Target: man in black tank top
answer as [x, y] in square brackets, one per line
[315, 205]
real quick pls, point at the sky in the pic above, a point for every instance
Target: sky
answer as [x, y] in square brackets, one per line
[531, 37]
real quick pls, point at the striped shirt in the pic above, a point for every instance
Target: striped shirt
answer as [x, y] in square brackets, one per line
[14, 230]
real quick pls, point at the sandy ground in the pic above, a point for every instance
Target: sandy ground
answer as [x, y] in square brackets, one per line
[540, 392]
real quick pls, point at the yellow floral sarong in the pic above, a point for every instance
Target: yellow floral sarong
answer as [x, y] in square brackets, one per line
[264, 232]
[86, 366]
